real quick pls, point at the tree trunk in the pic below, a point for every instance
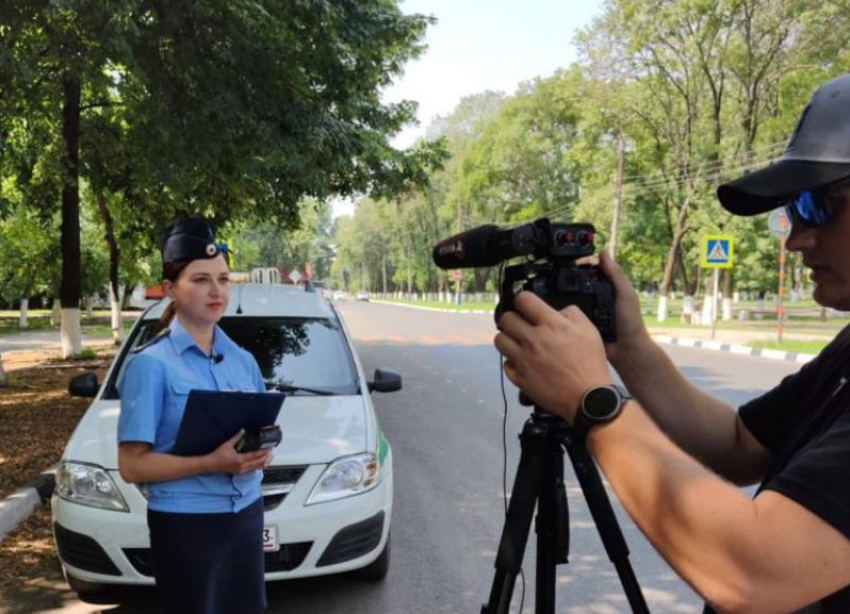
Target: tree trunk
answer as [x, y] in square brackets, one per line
[727, 295]
[618, 195]
[115, 307]
[69, 292]
[114, 260]
[56, 313]
[2, 373]
[678, 233]
[480, 279]
[384, 272]
[23, 319]
[707, 304]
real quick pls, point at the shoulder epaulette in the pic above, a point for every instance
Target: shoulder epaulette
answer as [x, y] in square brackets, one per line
[159, 337]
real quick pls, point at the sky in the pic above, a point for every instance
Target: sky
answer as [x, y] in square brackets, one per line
[479, 45]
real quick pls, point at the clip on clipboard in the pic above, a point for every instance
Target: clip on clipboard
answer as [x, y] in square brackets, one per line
[214, 416]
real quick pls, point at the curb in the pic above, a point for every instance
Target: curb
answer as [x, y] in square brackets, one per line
[18, 506]
[734, 348]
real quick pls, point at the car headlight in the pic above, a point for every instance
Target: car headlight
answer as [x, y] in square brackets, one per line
[347, 476]
[89, 485]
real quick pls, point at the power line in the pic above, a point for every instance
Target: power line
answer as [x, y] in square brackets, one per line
[707, 173]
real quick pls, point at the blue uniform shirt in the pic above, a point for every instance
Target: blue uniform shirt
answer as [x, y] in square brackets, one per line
[154, 388]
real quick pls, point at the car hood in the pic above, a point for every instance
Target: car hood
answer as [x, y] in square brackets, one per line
[316, 430]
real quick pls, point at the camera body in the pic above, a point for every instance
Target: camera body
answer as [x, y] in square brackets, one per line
[559, 280]
[561, 287]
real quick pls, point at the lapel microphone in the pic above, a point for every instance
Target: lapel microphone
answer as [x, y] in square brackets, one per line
[217, 358]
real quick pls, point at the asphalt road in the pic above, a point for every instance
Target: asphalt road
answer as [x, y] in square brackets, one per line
[446, 429]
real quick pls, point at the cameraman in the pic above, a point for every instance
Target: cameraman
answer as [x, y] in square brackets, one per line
[674, 454]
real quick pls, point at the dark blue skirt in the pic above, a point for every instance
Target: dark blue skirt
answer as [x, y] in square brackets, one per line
[209, 563]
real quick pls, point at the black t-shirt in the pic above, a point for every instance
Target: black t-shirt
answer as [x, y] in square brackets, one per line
[805, 424]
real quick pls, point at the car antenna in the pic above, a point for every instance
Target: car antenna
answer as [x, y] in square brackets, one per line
[239, 306]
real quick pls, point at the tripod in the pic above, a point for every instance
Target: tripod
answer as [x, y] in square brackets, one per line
[540, 479]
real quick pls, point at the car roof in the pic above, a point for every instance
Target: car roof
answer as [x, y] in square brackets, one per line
[269, 300]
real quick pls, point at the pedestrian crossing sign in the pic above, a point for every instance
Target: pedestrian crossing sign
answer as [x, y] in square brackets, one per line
[718, 251]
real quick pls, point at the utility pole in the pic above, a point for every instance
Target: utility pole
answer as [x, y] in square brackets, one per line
[618, 193]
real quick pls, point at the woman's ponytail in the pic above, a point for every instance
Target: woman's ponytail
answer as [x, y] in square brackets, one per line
[170, 271]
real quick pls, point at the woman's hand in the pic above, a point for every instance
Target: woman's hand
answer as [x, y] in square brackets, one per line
[553, 357]
[225, 458]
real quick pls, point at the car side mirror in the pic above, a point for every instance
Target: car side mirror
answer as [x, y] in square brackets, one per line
[385, 381]
[84, 385]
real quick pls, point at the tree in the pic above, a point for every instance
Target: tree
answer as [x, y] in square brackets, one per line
[228, 109]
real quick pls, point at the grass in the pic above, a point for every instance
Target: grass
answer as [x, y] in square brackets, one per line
[99, 330]
[96, 327]
[800, 347]
[9, 326]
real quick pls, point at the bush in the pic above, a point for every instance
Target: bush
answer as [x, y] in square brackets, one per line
[88, 354]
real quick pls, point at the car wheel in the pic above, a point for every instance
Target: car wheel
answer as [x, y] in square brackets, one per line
[377, 569]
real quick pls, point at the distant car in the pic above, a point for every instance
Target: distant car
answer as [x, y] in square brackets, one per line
[362, 295]
[338, 295]
[327, 494]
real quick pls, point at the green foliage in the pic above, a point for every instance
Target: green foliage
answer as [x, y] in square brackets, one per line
[238, 110]
[698, 91]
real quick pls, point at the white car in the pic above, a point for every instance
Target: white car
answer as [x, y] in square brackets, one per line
[328, 493]
[362, 295]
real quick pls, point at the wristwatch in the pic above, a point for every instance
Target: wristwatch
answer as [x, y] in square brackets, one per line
[599, 405]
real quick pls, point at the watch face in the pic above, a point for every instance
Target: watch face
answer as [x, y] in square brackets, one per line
[600, 403]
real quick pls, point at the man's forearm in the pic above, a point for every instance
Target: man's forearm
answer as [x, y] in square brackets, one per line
[707, 529]
[698, 423]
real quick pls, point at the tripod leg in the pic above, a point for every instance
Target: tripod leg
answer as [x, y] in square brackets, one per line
[526, 490]
[552, 528]
[606, 521]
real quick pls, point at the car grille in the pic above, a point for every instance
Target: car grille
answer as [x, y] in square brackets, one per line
[353, 541]
[83, 552]
[278, 482]
[287, 558]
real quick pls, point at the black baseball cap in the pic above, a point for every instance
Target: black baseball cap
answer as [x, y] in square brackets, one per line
[817, 154]
[189, 239]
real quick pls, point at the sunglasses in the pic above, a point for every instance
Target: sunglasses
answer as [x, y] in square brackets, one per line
[817, 207]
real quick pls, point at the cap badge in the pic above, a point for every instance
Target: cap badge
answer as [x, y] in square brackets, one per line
[211, 249]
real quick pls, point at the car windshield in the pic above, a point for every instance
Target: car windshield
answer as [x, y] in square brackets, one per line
[308, 352]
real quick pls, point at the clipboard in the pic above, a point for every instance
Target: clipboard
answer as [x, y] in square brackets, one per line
[214, 416]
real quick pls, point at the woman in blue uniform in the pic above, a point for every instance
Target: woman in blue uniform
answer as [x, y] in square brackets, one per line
[205, 513]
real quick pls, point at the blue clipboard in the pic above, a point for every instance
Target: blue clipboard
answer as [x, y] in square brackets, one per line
[214, 416]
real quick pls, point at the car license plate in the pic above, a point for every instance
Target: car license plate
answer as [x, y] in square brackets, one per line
[270, 543]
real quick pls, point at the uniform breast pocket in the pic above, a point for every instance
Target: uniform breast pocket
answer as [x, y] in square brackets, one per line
[178, 394]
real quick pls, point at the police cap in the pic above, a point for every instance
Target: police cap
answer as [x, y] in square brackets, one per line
[190, 239]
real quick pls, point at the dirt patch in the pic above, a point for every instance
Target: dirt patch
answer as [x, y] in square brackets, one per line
[37, 416]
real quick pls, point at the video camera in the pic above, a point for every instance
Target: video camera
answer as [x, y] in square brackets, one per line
[551, 271]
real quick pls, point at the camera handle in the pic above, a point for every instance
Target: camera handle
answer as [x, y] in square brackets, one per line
[539, 481]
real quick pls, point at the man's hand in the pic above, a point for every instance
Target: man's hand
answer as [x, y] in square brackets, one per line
[631, 330]
[225, 458]
[553, 357]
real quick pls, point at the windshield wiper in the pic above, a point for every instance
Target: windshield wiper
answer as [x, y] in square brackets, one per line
[293, 388]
